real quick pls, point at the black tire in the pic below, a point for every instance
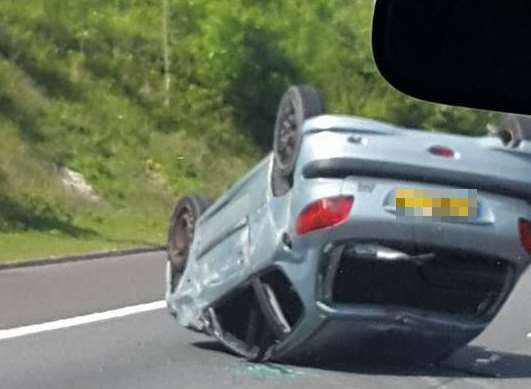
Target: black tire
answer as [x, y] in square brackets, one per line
[514, 129]
[298, 104]
[181, 234]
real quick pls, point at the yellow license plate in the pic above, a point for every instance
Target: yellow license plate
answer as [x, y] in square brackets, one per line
[448, 203]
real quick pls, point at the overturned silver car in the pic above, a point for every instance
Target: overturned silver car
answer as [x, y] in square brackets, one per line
[354, 237]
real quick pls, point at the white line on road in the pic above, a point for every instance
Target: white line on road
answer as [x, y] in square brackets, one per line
[80, 320]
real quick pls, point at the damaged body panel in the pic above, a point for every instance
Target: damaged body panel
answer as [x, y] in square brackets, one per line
[329, 267]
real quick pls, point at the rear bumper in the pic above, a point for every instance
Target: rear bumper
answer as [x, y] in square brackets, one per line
[330, 329]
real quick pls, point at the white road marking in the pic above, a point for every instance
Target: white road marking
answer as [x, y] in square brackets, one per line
[80, 320]
[529, 335]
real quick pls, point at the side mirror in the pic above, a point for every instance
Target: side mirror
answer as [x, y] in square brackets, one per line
[472, 53]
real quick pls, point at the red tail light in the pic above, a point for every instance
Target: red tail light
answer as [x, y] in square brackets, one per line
[442, 151]
[525, 234]
[324, 213]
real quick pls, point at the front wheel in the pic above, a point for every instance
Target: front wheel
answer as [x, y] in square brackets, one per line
[180, 237]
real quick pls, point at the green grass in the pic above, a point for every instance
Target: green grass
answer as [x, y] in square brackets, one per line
[42, 219]
[20, 247]
[80, 86]
[96, 232]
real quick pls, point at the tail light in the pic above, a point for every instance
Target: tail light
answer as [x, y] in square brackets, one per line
[442, 151]
[525, 234]
[324, 213]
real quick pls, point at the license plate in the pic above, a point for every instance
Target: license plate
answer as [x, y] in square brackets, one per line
[436, 204]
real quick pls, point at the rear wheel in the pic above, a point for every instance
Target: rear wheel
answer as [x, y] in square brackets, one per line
[512, 130]
[298, 104]
[181, 235]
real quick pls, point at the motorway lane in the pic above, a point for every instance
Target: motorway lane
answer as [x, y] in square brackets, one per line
[150, 350]
[43, 293]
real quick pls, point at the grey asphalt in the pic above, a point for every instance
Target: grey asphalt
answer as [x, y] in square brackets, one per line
[149, 350]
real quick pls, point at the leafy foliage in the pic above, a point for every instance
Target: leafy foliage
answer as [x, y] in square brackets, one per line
[82, 85]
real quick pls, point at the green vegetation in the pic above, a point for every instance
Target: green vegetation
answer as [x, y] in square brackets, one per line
[82, 85]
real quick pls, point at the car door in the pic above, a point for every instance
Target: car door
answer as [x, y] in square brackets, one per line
[223, 234]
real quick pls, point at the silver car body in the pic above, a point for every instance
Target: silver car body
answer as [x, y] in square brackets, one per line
[248, 230]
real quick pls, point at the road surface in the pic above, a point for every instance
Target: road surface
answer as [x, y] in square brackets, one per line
[101, 324]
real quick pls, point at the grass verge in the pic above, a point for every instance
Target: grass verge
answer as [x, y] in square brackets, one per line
[117, 232]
